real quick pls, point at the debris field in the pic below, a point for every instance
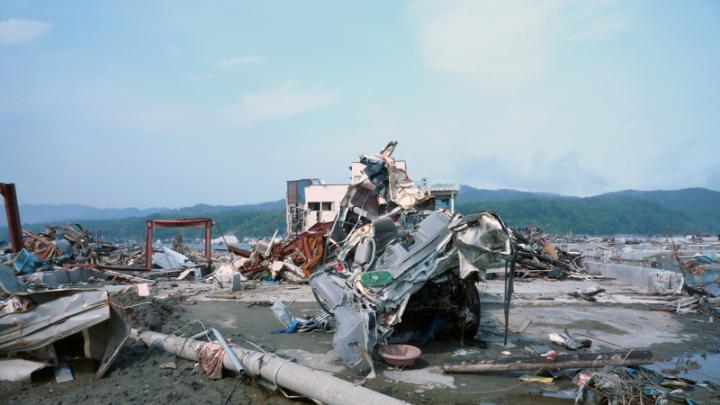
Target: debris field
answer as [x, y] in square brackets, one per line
[396, 300]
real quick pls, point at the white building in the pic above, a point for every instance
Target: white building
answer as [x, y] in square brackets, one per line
[309, 201]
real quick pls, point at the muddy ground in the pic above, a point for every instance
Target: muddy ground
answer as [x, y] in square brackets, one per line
[621, 319]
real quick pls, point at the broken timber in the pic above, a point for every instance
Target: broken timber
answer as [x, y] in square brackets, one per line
[562, 361]
[117, 274]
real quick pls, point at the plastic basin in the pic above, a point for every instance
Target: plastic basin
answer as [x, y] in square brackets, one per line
[399, 355]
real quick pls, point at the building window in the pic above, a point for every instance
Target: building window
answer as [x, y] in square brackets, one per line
[327, 206]
[314, 206]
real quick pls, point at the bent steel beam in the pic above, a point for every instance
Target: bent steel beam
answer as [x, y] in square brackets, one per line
[177, 223]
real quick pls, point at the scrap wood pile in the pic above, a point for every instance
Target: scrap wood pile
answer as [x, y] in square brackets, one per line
[537, 255]
[292, 260]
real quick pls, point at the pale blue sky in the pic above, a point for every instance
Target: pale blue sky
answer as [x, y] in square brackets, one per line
[172, 103]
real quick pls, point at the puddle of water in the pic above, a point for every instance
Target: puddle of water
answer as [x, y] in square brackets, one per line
[696, 366]
[566, 394]
[430, 377]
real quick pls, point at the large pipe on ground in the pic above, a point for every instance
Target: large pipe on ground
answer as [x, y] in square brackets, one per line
[310, 383]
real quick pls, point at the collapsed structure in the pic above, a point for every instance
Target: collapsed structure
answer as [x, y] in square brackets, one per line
[401, 265]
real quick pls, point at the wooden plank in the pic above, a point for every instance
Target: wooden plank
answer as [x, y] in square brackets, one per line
[184, 274]
[576, 360]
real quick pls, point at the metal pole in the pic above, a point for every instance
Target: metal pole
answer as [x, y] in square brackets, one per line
[233, 356]
[208, 241]
[148, 244]
[12, 212]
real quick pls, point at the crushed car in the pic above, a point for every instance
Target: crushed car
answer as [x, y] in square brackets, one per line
[399, 268]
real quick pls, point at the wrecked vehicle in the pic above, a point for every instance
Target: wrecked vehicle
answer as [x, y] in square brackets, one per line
[403, 270]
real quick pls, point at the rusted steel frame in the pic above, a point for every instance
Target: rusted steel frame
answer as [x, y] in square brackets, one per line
[177, 223]
[181, 222]
[315, 255]
[12, 213]
[239, 252]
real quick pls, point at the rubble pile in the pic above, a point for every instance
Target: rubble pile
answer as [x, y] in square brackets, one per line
[293, 260]
[72, 244]
[537, 255]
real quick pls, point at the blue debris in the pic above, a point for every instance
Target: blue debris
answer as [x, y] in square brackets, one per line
[26, 262]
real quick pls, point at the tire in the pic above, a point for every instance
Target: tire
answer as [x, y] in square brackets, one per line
[472, 302]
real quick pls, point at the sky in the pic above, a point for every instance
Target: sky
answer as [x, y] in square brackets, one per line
[173, 103]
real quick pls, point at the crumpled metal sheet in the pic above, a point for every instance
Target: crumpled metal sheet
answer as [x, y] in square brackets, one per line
[9, 282]
[355, 328]
[58, 314]
[479, 238]
[53, 320]
[401, 189]
[169, 259]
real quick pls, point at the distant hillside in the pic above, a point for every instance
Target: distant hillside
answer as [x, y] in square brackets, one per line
[239, 222]
[699, 204]
[471, 194]
[41, 213]
[46, 213]
[207, 210]
[693, 210]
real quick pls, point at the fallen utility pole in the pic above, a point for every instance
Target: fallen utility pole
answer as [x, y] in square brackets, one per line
[561, 361]
[310, 383]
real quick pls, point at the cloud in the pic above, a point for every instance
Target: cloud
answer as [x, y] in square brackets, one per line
[229, 63]
[18, 31]
[281, 102]
[565, 174]
[504, 43]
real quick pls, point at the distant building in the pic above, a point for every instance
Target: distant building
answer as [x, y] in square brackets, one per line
[309, 201]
